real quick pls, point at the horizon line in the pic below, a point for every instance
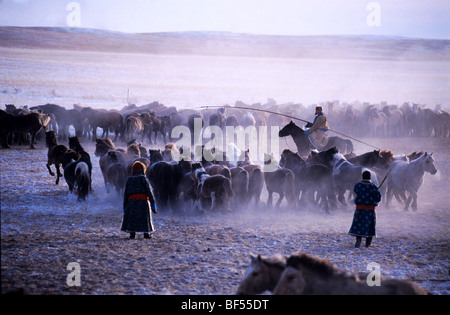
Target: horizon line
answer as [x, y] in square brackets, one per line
[226, 32]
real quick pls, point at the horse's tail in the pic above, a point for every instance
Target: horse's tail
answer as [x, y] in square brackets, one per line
[83, 180]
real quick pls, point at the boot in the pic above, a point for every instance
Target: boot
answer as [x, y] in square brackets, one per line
[368, 241]
[146, 235]
[358, 241]
[132, 235]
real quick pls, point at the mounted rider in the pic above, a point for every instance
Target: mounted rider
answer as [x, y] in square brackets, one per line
[317, 129]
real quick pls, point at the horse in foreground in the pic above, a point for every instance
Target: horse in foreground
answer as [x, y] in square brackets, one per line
[303, 274]
[307, 275]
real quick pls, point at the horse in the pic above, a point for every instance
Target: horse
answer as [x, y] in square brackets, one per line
[133, 127]
[307, 275]
[114, 171]
[104, 120]
[280, 181]
[155, 156]
[214, 192]
[255, 183]
[239, 184]
[394, 121]
[64, 118]
[262, 275]
[165, 178]
[76, 174]
[75, 144]
[408, 177]
[310, 178]
[55, 154]
[372, 159]
[304, 145]
[105, 149]
[191, 124]
[30, 123]
[376, 121]
[346, 175]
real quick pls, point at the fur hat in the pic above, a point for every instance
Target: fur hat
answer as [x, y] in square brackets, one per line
[319, 108]
[138, 167]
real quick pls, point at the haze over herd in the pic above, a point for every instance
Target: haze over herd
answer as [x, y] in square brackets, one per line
[220, 126]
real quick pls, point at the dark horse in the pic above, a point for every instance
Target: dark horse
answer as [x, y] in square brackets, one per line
[310, 178]
[165, 178]
[55, 154]
[104, 120]
[370, 159]
[30, 123]
[64, 118]
[76, 174]
[75, 144]
[304, 146]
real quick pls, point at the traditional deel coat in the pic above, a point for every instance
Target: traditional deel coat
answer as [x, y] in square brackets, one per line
[317, 132]
[137, 215]
[364, 220]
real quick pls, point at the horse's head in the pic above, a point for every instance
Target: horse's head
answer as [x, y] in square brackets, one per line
[155, 156]
[428, 163]
[102, 146]
[262, 275]
[376, 160]
[289, 130]
[69, 156]
[300, 270]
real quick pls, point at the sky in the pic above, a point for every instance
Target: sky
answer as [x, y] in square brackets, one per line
[411, 18]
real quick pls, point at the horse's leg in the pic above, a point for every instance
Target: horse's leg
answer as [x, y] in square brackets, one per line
[58, 174]
[33, 141]
[414, 201]
[94, 133]
[408, 202]
[49, 169]
[269, 200]
[280, 200]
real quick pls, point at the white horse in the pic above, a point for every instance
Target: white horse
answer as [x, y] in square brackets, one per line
[408, 177]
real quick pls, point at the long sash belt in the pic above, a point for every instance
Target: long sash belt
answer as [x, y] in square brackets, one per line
[365, 207]
[138, 197]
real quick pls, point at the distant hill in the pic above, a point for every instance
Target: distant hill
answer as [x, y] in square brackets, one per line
[228, 44]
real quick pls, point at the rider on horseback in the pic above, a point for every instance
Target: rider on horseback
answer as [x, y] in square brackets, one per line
[317, 129]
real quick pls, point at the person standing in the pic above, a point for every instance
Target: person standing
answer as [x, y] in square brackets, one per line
[318, 128]
[138, 200]
[364, 219]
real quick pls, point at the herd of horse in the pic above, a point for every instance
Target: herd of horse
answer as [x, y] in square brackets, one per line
[304, 177]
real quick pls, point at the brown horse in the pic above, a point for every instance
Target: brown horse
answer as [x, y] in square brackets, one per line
[105, 149]
[55, 154]
[262, 275]
[104, 120]
[280, 181]
[307, 275]
[214, 192]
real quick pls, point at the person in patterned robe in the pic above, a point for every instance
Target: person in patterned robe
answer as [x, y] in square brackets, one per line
[364, 219]
[138, 200]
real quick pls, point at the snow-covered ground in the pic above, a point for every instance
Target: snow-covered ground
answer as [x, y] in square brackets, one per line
[43, 229]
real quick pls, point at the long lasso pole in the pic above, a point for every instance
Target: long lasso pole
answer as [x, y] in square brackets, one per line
[292, 117]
